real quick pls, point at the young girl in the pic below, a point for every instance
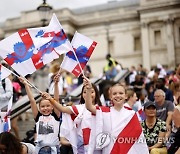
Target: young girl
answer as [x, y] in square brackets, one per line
[47, 122]
[117, 126]
[77, 122]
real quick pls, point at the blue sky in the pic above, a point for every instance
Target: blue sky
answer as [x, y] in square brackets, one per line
[12, 8]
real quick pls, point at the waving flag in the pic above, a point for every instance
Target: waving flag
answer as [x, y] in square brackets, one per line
[83, 47]
[30, 49]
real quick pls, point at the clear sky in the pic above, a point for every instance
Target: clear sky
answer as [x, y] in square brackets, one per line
[12, 8]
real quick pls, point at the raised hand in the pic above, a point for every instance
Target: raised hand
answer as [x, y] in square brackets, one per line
[22, 80]
[46, 95]
[87, 83]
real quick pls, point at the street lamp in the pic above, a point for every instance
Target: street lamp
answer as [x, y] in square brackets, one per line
[107, 36]
[44, 10]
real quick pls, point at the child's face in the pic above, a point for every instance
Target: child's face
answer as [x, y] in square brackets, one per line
[93, 94]
[118, 95]
[45, 107]
[134, 98]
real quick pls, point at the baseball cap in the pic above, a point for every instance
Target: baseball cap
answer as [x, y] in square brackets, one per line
[148, 104]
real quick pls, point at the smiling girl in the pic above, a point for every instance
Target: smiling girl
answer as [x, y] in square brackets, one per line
[120, 123]
[47, 122]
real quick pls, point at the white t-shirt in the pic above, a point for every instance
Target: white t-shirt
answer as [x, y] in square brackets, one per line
[47, 129]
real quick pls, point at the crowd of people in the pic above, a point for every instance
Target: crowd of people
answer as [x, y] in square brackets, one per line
[144, 109]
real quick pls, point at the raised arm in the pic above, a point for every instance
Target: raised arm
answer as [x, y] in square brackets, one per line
[57, 105]
[56, 92]
[30, 96]
[88, 98]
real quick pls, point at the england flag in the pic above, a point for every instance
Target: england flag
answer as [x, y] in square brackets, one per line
[30, 49]
[120, 132]
[78, 128]
[75, 61]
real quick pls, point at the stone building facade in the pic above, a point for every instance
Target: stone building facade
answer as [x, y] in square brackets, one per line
[133, 31]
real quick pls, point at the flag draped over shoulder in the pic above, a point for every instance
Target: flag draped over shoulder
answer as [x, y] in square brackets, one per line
[78, 128]
[29, 49]
[83, 47]
[124, 129]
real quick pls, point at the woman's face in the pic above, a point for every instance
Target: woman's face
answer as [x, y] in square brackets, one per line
[118, 95]
[93, 94]
[150, 111]
[45, 107]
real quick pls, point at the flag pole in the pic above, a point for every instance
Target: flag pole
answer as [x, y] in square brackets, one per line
[78, 63]
[59, 72]
[32, 85]
[29, 83]
[78, 59]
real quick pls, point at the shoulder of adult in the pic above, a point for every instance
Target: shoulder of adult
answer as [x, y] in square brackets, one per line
[168, 102]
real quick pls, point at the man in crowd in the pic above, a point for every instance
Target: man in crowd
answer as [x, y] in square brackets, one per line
[164, 108]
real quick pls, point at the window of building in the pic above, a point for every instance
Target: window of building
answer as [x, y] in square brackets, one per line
[137, 43]
[157, 37]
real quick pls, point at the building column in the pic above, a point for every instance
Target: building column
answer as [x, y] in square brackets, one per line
[170, 44]
[145, 46]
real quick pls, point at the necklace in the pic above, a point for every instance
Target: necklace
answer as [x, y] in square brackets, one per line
[150, 125]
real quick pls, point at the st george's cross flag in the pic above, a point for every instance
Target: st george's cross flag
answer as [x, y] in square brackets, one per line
[83, 47]
[29, 49]
[78, 127]
[120, 131]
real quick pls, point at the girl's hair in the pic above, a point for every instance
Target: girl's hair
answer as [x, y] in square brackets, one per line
[9, 144]
[118, 85]
[97, 96]
[42, 99]
[129, 93]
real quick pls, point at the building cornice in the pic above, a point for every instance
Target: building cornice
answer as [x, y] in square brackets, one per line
[157, 7]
